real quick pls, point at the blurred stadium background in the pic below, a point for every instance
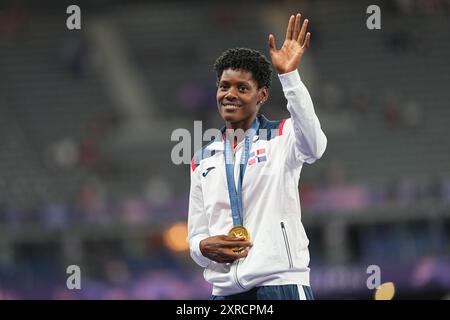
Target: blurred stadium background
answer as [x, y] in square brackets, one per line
[86, 117]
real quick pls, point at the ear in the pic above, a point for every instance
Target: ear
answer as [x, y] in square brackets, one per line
[263, 95]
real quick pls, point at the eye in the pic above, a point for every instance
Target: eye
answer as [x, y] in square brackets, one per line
[223, 86]
[242, 88]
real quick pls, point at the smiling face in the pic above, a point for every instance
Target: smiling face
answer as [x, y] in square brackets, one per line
[239, 98]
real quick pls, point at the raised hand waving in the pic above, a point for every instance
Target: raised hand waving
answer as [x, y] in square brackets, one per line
[288, 57]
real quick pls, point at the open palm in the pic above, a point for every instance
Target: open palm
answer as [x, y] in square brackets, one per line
[288, 58]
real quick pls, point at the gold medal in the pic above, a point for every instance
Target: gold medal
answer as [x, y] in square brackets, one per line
[239, 232]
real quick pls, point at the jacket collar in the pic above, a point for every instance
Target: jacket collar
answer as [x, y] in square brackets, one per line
[217, 142]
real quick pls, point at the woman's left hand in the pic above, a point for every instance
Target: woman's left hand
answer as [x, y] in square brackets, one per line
[288, 58]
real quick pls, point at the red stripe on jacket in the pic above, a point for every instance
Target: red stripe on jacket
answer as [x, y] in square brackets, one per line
[280, 128]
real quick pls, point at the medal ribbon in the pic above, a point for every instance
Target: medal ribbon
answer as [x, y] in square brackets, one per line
[237, 210]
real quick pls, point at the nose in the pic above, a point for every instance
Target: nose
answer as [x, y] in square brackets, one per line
[231, 95]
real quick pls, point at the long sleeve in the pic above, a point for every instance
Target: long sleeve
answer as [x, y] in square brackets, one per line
[305, 136]
[197, 222]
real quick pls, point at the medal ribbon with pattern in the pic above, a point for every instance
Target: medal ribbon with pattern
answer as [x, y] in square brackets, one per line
[237, 210]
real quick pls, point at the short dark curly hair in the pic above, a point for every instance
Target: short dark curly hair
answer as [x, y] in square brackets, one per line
[245, 59]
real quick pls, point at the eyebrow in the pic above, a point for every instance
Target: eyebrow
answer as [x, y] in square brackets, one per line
[245, 82]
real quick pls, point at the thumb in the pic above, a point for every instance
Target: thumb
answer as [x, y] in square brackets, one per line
[272, 42]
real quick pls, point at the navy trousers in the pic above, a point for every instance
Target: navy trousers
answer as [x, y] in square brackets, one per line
[284, 292]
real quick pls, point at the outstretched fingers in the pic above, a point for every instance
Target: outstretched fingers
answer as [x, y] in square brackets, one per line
[301, 36]
[297, 25]
[306, 43]
[290, 28]
[272, 45]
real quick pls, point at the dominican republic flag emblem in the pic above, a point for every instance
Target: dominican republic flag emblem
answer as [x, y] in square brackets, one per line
[257, 156]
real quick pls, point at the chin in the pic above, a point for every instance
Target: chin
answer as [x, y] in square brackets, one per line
[230, 118]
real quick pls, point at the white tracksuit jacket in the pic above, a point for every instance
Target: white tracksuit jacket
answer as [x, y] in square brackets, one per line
[272, 214]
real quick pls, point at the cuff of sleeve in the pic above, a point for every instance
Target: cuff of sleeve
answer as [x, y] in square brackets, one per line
[197, 254]
[290, 80]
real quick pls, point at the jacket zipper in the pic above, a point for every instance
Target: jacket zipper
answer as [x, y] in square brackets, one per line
[236, 279]
[286, 242]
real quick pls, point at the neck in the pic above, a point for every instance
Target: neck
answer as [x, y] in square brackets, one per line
[244, 124]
